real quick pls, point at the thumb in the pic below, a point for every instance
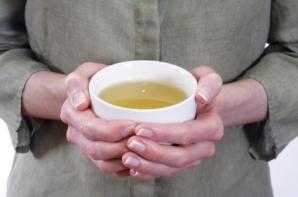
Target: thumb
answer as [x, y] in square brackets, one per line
[77, 84]
[209, 84]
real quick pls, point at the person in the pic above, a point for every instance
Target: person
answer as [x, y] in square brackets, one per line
[247, 97]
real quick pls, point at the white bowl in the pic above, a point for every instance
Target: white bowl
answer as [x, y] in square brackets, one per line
[142, 70]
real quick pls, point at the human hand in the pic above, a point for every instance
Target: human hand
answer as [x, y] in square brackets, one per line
[195, 139]
[104, 142]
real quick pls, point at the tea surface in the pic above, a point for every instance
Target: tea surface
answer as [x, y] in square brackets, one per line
[142, 95]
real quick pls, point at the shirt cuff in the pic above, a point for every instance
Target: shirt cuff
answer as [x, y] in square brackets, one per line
[278, 74]
[16, 67]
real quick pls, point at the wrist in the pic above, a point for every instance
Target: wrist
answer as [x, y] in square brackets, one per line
[43, 95]
[242, 102]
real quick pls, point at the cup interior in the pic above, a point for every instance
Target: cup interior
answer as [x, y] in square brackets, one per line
[143, 71]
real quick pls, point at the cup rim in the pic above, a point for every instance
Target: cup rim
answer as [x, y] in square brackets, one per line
[94, 96]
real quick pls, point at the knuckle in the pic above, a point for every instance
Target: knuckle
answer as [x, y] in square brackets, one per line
[216, 78]
[195, 164]
[172, 173]
[86, 129]
[64, 113]
[69, 136]
[203, 69]
[63, 116]
[93, 152]
[102, 167]
[219, 134]
[217, 129]
[181, 162]
[110, 133]
[215, 125]
[70, 78]
[154, 152]
[112, 138]
[187, 137]
[86, 64]
[119, 149]
[209, 150]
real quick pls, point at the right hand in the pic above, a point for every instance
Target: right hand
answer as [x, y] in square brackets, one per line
[102, 141]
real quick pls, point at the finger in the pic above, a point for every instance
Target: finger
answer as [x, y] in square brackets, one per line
[87, 69]
[144, 166]
[209, 85]
[77, 84]
[84, 71]
[141, 176]
[97, 150]
[109, 166]
[70, 135]
[208, 127]
[174, 156]
[148, 169]
[201, 71]
[94, 128]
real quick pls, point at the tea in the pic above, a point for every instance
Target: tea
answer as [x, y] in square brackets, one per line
[142, 95]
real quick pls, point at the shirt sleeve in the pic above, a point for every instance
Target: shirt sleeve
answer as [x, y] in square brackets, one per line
[17, 64]
[277, 71]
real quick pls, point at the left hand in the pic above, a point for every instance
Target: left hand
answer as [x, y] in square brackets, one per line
[195, 139]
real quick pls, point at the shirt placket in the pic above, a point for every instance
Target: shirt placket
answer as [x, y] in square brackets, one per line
[147, 29]
[147, 45]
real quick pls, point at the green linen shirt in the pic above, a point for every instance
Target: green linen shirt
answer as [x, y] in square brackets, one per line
[229, 35]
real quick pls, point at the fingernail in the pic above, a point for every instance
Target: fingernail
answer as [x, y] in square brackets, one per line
[135, 173]
[78, 98]
[204, 93]
[136, 146]
[128, 131]
[132, 162]
[145, 132]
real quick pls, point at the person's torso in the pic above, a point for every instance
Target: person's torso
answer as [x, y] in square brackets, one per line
[228, 35]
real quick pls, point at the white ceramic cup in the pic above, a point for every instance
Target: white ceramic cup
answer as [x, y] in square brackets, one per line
[141, 70]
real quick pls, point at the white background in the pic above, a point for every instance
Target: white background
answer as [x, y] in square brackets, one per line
[284, 170]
